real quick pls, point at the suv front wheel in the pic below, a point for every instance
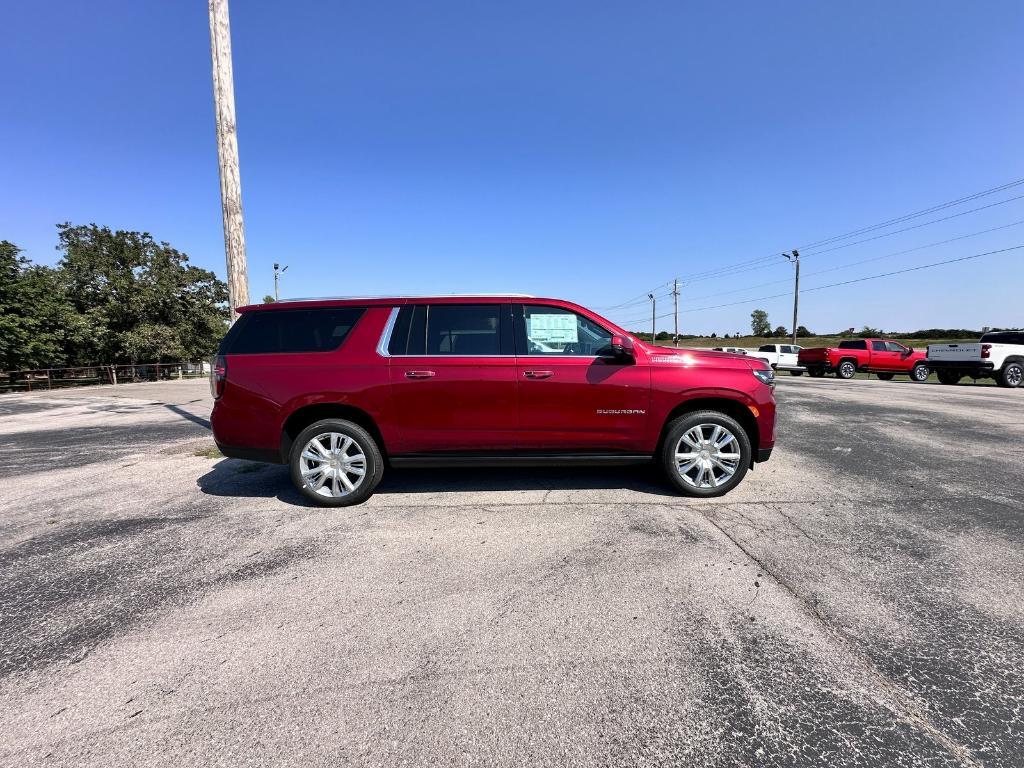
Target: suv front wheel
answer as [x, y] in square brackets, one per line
[705, 453]
[335, 463]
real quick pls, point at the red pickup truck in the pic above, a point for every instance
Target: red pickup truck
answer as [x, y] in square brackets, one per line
[885, 358]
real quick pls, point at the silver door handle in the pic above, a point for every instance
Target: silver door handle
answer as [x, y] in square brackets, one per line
[419, 374]
[538, 374]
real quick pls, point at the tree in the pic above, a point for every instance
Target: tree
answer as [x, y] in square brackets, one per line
[868, 332]
[113, 297]
[802, 332]
[33, 313]
[759, 324]
[123, 286]
[781, 332]
[268, 299]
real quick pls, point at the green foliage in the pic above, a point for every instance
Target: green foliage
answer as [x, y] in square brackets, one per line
[867, 332]
[802, 332]
[33, 314]
[114, 297]
[759, 324]
[268, 299]
[780, 332]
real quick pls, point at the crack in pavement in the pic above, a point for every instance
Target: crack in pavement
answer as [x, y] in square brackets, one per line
[901, 702]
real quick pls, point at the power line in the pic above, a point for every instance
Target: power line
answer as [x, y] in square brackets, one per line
[866, 261]
[917, 226]
[862, 279]
[762, 262]
[924, 212]
[640, 298]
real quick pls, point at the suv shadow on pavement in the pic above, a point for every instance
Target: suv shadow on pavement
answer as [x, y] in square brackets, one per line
[246, 479]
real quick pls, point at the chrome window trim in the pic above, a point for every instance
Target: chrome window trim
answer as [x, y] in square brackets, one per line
[385, 337]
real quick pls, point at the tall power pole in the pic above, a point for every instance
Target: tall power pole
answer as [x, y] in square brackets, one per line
[675, 303]
[227, 155]
[653, 317]
[794, 257]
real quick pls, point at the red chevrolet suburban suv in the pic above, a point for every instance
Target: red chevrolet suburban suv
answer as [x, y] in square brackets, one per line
[340, 388]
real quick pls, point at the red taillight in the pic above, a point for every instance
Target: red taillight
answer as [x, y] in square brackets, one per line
[218, 376]
[986, 350]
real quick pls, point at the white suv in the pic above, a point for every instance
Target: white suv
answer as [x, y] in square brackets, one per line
[998, 355]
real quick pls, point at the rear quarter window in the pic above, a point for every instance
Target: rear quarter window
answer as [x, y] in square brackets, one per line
[1004, 338]
[858, 344]
[291, 330]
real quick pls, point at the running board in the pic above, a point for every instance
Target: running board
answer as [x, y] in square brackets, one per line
[517, 459]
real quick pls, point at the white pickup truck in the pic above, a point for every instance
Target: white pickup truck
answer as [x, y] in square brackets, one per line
[999, 355]
[781, 357]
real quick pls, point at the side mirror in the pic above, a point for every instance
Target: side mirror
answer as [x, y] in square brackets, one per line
[622, 347]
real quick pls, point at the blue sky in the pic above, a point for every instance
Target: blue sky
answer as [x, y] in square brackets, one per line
[590, 151]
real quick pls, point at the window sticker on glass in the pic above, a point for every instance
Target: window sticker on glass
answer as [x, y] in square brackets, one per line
[552, 329]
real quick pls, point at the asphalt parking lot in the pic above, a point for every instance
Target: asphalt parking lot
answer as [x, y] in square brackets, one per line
[857, 601]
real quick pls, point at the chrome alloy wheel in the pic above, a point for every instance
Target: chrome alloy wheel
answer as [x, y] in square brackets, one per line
[332, 464]
[707, 456]
[1014, 375]
[920, 373]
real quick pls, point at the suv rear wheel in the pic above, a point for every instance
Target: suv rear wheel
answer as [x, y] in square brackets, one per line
[335, 463]
[705, 453]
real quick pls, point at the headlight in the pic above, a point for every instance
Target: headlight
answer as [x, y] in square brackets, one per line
[766, 375]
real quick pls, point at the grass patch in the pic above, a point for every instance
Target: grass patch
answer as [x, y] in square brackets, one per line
[209, 453]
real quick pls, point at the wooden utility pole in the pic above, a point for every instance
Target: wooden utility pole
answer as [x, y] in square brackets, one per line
[653, 317]
[675, 302]
[795, 259]
[227, 155]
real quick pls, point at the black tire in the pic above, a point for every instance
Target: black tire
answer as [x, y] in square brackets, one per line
[815, 373]
[1012, 375]
[372, 465]
[846, 370]
[919, 373]
[948, 377]
[796, 373]
[674, 436]
[885, 376]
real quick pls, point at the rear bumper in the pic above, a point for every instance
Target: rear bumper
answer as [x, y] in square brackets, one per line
[966, 366]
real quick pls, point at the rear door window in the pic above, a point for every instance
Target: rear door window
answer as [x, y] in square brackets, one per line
[464, 329]
[291, 330]
[878, 346]
[1003, 337]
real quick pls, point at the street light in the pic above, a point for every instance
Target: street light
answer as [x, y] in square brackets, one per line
[278, 269]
